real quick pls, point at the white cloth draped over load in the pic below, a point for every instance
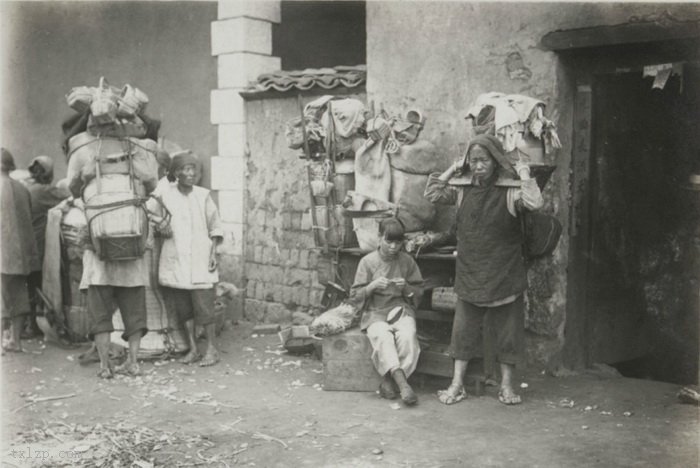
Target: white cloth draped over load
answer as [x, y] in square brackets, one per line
[517, 121]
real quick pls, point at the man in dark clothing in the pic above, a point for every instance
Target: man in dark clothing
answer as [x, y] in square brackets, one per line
[19, 252]
[44, 196]
[490, 278]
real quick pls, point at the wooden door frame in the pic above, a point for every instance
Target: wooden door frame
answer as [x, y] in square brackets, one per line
[586, 66]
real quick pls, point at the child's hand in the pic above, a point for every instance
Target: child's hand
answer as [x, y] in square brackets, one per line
[379, 283]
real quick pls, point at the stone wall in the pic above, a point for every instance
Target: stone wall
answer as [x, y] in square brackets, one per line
[439, 56]
[282, 264]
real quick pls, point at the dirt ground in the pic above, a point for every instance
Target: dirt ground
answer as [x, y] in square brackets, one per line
[262, 407]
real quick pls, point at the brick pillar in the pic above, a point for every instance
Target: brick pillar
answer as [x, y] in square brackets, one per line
[241, 40]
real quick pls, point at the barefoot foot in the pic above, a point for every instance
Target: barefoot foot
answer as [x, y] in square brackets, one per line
[210, 358]
[190, 358]
[507, 396]
[453, 394]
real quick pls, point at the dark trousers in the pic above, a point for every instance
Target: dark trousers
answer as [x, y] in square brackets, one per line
[502, 330]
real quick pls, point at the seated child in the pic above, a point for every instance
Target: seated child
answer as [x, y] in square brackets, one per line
[387, 286]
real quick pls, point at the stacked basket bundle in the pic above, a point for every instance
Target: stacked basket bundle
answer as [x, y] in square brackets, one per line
[111, 148]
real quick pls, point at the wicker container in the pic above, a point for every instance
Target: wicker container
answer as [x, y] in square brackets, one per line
[132, 102]
[119, 231]
[444, 299]
[334, 230]
[79, 98]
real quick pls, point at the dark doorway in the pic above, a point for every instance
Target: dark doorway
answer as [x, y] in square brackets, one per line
[316, 34]
[642, 273]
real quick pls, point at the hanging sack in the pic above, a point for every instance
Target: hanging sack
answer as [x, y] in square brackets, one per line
[541, 234]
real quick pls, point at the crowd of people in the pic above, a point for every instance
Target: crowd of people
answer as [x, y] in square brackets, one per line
[490, 277]
[187, 240]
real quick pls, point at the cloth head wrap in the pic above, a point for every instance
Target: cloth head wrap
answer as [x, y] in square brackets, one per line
[495, 149]
[41, 168]
[7, 162]
[181, 159]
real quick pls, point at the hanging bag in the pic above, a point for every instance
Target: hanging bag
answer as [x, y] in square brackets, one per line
[541, 233]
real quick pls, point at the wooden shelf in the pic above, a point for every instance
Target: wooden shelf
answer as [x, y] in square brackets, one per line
[356, 251]
[435, 315]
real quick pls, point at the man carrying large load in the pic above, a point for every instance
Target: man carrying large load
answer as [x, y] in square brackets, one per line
[113, 170]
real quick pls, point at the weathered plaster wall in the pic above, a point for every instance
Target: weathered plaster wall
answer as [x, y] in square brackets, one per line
[281, 261]
[439, 56]
[50, 47]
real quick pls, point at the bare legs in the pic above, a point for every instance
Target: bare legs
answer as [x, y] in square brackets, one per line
[13, 343]
[506, 394]
[455, 392]
[102, 345]
[211, 355]
[192, 355]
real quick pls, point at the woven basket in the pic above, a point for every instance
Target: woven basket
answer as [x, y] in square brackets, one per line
[117, 232]
[79, 98]
[444, 299]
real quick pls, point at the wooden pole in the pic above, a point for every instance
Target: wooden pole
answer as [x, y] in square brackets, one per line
[307, 152]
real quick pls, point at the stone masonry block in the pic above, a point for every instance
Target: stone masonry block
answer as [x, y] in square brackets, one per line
[306, 221]
[269, 289]
[277, 293]
[293, 257]
[260, 291]
[286, 221]
[288, 296]
[249, 253]
[227, 173]
[258, 253]
[255, 310]
[237, 70]
[231, 206]
[303, 259]
[269, 256]
[302, 296]
[314, 257]
[273, 274]
[277, 313]
[241, 35]
[297, 277]
[279, 274]
[250, 289]
[253, 271]
[296, 220]
[260, 9]
[257, 217]
[284, 256]
[232, 140]
[227, 106]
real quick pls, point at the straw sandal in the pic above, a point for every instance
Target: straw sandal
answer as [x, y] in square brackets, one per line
[453, 394]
